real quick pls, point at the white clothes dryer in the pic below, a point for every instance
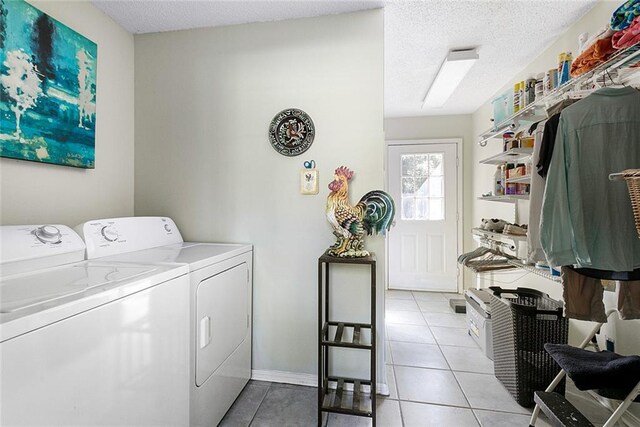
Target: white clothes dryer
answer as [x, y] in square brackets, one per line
[87, 343]
[220, 292]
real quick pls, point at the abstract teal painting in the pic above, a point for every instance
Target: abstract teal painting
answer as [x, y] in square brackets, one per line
[47, 89]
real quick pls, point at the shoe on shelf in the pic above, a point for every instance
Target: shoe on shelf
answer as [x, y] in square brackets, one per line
[515, 230]
[495, 225]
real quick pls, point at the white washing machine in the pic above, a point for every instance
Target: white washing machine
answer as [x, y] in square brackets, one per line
[221, 302]
[89, 343]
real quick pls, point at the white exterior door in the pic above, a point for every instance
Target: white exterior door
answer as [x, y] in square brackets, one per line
[423, 244]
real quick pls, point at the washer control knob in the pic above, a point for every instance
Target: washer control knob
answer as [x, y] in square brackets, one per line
[167, 228]
[109, 233]
[48, 234]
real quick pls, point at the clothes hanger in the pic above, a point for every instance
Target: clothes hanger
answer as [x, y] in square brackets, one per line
[613, 85]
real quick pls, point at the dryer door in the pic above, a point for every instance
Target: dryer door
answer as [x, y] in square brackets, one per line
[222, 303]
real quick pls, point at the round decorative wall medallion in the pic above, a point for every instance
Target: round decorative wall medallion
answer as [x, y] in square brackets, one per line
[291, 132]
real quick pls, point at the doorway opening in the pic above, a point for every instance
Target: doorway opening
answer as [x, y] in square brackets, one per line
[423, 177]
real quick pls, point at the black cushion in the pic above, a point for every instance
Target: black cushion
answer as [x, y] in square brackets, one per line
[597, 370]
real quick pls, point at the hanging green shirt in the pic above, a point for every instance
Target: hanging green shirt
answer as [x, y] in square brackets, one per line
[586, 219]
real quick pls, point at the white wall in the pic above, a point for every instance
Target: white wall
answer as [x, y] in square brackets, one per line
[204, 101]
[43, 193]
[440, 127]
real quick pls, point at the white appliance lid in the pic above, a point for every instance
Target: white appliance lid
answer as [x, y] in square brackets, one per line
[32, 300]
[194, 254]
[47, 286]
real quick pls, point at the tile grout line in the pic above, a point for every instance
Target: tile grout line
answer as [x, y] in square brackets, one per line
[395, 378]
[441, 369]
[498, 411]
[452, 374]
[395, 382]
[260, 405]
[456, 379]
[469, 407]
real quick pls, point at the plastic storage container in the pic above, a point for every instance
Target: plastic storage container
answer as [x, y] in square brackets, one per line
[479, 319]
[502, 108]
[523, 321]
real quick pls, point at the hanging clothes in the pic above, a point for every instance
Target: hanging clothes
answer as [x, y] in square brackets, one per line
[586, 219]
[549, 136]
[629, 300]
[544, 140]
[610, 275]
[582, 296]
[536, 192]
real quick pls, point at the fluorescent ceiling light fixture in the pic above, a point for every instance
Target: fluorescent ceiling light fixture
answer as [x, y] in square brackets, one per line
[453, 69]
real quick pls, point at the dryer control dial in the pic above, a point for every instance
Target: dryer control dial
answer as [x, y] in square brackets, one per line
[109, 233]
[48, 234]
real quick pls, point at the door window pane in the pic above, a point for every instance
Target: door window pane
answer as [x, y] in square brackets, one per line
[408, 186]
[408, 208]
[422, 186]
[422, 208]
[436, 164]
[436, 209]
[436, 186]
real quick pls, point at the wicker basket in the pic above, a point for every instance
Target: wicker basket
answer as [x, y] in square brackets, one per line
[632, 176]
[523, 321]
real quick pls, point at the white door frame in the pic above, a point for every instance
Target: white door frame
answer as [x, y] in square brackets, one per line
[459, 190]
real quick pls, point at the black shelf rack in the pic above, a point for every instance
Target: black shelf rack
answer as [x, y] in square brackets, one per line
[352, 396]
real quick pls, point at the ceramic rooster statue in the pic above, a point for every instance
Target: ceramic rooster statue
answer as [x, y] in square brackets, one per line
[373, 214]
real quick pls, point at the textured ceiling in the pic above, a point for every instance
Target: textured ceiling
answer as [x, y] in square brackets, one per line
[146, 16]
[418, 35]
[509, 34]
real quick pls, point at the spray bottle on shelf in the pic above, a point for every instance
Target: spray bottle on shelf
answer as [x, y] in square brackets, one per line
[498, 188]
[516, 98]
[564, 66]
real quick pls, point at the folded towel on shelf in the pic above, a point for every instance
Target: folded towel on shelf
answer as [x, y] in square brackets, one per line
[592, 56]
[627, 37]
[625, 14]
[601, 33]
[596, 370]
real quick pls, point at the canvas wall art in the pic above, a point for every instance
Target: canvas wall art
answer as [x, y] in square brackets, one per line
[47, 88]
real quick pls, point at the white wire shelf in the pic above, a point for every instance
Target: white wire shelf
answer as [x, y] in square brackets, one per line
[542, 272]
[537, 110]
[510, 198]
[497, 236]
[511, 156]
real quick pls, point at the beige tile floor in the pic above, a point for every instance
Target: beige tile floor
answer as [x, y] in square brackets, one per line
[439, 376]
[436, 373]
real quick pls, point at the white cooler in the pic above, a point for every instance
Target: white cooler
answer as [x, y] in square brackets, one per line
[479, 319]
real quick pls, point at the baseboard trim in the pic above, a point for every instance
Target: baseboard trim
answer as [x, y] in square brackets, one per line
[285, 377]
[299, 379]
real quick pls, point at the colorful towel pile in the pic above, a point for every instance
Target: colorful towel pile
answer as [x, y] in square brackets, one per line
[629, 36]
[592, 56]
[625, 23]
[625, 14]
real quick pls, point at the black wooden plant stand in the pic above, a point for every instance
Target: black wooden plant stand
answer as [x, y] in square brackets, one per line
[353, 396]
